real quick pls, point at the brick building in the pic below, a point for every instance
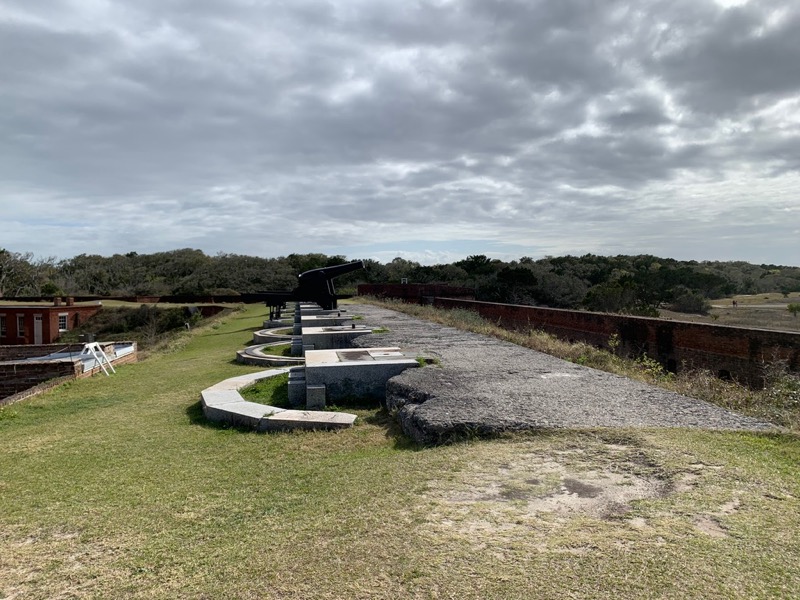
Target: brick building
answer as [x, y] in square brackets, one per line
[42, 324]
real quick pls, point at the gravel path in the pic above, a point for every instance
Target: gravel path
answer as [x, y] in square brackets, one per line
[485, 386]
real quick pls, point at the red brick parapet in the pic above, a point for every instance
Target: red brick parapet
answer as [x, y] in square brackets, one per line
[728, 352]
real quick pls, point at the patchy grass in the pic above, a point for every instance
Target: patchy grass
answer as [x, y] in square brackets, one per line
[116, 487]
[273, 391]
[282, 331]
[279, 350]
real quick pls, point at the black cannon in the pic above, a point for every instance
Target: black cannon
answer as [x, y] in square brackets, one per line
[315, 285]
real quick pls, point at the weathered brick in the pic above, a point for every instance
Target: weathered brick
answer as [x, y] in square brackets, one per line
[727, 351]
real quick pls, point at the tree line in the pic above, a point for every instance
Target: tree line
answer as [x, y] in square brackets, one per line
[639, 284]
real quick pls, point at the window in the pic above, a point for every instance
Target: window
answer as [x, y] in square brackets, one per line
[62, 321]
[3, 326]
[20, 325]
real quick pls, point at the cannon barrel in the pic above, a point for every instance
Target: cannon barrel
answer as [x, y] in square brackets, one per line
[316, 285]
[333, 271]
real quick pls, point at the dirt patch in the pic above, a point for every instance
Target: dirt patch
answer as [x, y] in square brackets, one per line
[526, 483]
[53, 563]
[710, 526]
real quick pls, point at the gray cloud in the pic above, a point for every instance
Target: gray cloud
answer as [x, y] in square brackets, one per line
[501, 127]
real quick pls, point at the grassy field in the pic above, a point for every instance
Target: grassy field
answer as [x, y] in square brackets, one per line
[118, 488]
[762, 311]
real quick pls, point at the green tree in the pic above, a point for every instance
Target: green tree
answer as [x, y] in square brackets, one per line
[15, 272]
[689, 301]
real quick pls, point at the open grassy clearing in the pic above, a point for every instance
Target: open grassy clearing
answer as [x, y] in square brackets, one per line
[117, 488]
[761, 311]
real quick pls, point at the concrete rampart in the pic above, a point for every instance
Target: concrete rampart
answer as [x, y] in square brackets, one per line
[728, 352]
[414, 292]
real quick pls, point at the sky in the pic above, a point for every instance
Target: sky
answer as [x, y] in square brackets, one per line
[430, 130]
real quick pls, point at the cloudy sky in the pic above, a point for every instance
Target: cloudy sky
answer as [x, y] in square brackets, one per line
[429, 129]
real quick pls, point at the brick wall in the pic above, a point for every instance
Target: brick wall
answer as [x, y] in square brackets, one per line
[17, 377]
[29, 350]
[37, 389]
[414, 292]
[23, 379]
[726, 351]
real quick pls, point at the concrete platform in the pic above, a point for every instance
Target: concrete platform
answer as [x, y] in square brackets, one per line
[325, 320]
[485, 386]
[310, 309]
[326, 338]
[355, 373]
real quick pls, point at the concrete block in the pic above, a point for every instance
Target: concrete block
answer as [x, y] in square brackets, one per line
[351, 374]
[297, 387]
[297, 346]
[242, 413]
[315, 397]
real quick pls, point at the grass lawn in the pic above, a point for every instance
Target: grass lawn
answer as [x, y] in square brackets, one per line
[118, 488]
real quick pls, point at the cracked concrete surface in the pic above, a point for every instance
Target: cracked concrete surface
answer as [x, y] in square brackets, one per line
[485, 386]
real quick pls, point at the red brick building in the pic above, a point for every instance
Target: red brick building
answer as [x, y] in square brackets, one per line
[42, 324]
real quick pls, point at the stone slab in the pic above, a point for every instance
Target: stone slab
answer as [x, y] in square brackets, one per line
[333, 356]
[242, 413]
[307, 419]
[321, 357]
[220, 397]
[240, 381]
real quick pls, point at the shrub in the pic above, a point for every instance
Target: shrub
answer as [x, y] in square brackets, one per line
[688, 301]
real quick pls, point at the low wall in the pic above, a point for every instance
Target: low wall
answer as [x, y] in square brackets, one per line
[17, 377]
[414, 292]
[729, 352]
[24, 351]
[244, 298]
[20, 379]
